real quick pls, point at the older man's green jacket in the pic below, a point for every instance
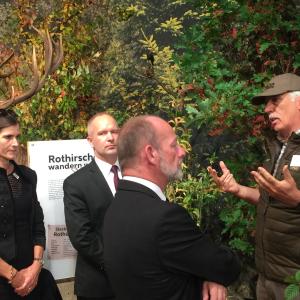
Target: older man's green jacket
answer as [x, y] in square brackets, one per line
[278, 225]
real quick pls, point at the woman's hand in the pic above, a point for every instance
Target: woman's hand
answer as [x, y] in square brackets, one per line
[26, 279]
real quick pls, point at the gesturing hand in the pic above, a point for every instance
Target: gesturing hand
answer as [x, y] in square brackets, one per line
[284, 190]
[226, 181]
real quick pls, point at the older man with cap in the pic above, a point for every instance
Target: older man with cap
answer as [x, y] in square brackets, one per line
[278, 193]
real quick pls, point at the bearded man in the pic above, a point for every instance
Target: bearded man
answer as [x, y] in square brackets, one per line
[153, 249]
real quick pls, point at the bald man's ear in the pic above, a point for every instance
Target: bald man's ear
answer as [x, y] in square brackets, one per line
[90, 140]
[151, 154]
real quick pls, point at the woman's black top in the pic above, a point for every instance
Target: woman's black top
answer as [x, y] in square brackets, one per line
[23, 201]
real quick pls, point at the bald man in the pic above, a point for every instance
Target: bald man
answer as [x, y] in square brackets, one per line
[153, 249]
[87, 194]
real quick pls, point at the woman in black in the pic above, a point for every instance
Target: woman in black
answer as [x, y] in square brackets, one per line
[22, 232]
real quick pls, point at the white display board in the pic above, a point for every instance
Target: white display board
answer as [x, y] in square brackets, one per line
[53, 161]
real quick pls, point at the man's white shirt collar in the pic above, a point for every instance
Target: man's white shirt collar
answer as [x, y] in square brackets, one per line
[105, 169]
[149, 184]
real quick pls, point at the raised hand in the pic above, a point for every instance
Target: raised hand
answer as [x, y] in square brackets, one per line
[284, 190]
[226, 181]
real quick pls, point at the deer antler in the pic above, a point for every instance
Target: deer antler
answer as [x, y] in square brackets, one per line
[6, 60]
[53, 57]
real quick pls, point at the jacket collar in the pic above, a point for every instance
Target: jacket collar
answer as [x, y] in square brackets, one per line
[127, 185]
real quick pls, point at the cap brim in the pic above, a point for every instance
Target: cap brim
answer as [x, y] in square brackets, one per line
[278, 85]
[261, 98]
[258, 100]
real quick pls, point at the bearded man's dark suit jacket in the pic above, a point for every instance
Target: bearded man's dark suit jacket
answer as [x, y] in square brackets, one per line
[86, 199]
[155, 251]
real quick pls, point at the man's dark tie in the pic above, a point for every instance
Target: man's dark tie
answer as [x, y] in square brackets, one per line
[114, 169]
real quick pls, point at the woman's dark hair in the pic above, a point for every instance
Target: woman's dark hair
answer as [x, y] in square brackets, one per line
[7, 118]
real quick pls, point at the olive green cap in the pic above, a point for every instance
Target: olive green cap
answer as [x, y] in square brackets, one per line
[278, 85]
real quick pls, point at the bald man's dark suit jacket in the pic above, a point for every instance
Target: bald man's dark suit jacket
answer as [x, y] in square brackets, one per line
[86, 199]
[155, 251]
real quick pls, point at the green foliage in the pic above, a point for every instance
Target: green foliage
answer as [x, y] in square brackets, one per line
[222, 68]
[225, 58]
[238, 218]
[195, 194]
[104, 67]
[293, 289]
[8, 22]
